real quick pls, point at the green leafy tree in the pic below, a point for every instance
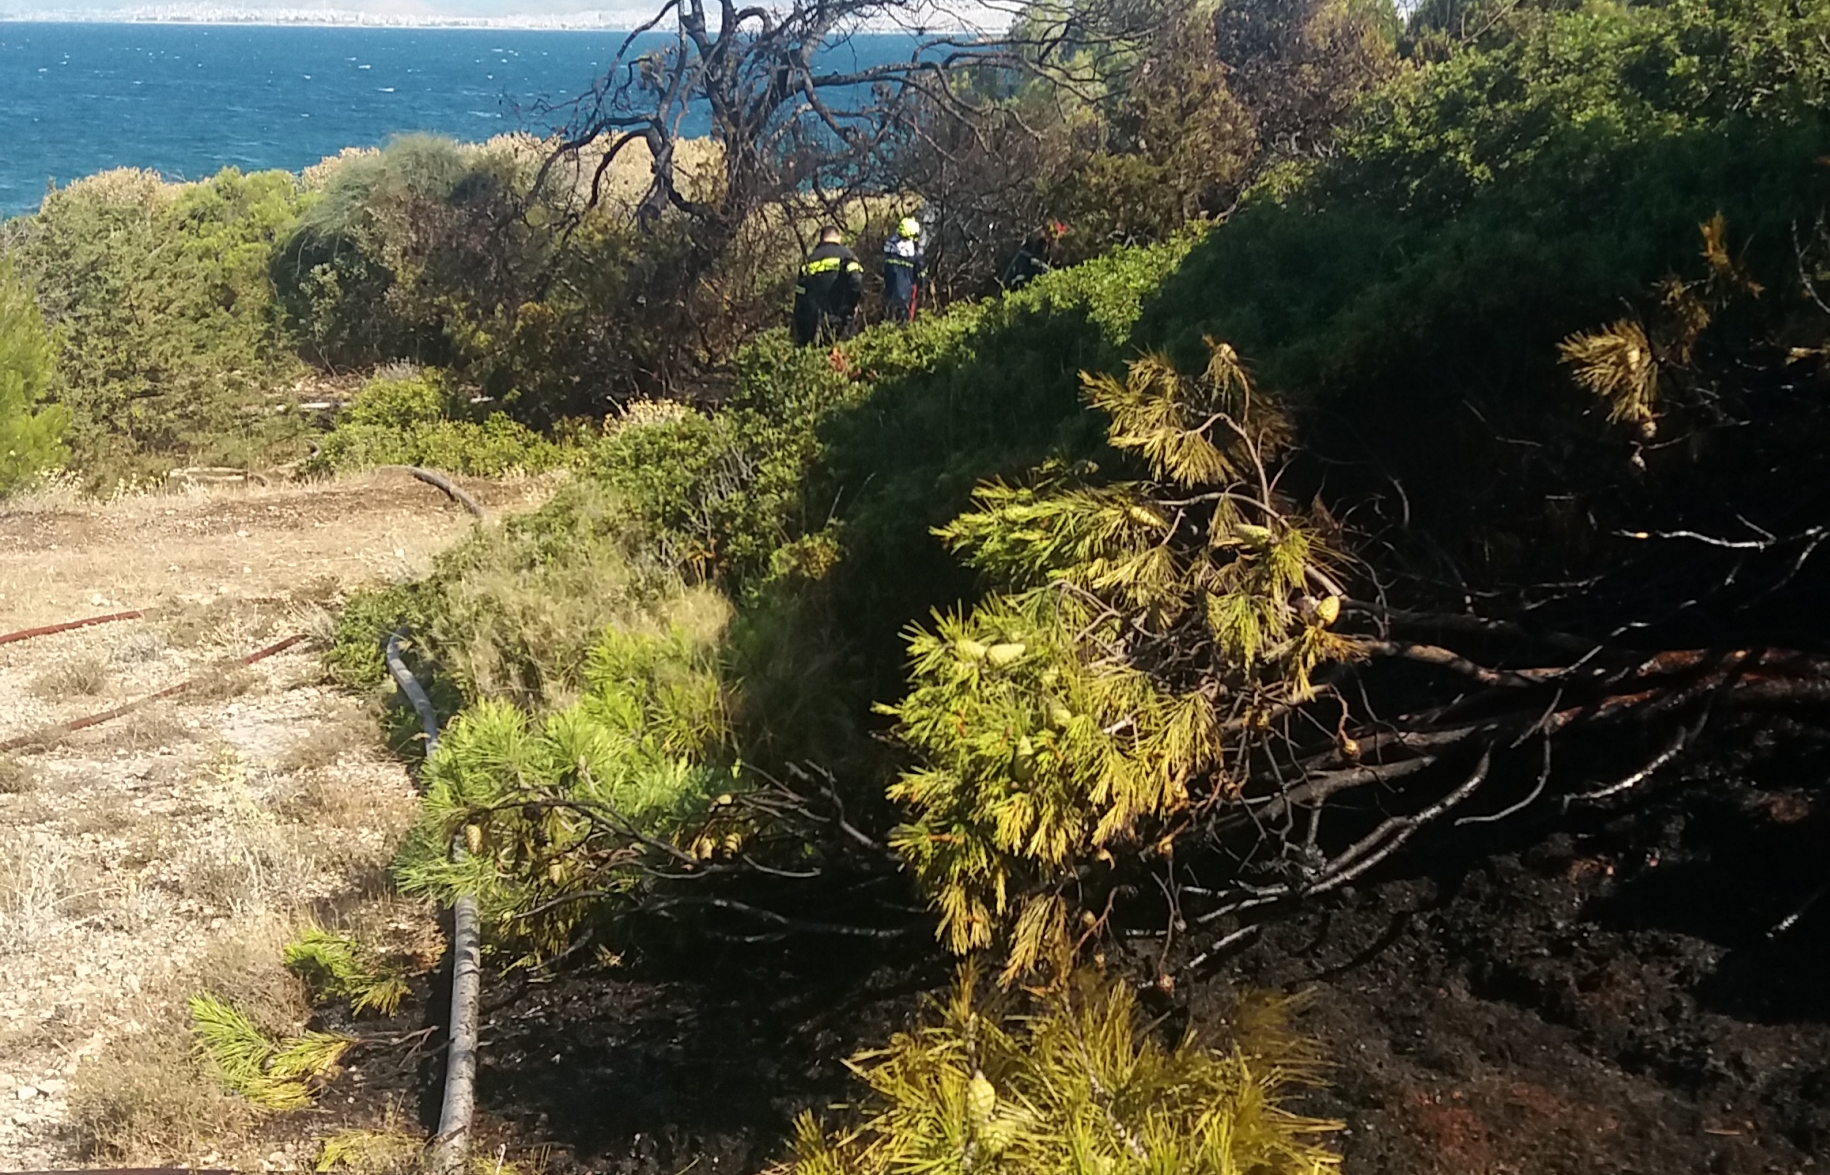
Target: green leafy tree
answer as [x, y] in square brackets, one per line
[31, 431]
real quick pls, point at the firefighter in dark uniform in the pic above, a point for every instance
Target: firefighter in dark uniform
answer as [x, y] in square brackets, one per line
[1035, 258]
[903, 266]
[826, 297]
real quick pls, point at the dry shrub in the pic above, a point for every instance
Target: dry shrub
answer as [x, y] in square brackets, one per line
[252, 867]
[138, 648]
[42, 885]
[148, 729]
[145, 1096]
[15, 777]
[219, 683]
[315, 620]
[144, 188]
[221, 621]
[83, 676]
[136, 731]
[345, 727]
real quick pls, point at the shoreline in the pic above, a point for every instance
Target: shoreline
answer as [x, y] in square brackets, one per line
[354, 21]
[374, 22]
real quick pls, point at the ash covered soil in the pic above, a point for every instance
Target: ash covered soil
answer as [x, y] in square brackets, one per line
[1580, 992]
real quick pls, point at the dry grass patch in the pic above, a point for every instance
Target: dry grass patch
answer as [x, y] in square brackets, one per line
[148, 1095]
[15, 777]
[26, 811]
[245, 969]
[251, 868]
[72, 677]
[97, 817]
[43, 884]
[344, 728]
[223, 621]
[219, 683]
[342, 801]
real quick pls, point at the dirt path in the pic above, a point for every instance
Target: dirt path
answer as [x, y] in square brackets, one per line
[175, 849]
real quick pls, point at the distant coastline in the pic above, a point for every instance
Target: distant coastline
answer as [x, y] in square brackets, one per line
[956, 16]
[186, 14]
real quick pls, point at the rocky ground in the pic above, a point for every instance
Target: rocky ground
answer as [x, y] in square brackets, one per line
[175, 849]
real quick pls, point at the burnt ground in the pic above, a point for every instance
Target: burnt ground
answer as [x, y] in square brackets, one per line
[1592, 992]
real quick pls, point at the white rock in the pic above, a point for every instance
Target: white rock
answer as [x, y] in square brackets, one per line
[27, 1092]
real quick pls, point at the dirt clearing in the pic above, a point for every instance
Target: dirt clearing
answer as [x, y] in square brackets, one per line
[175, 849]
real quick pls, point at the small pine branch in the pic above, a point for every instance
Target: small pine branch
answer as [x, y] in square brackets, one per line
[335, 966]
[1077, 1082]
[1617, 364]
[275, 1075]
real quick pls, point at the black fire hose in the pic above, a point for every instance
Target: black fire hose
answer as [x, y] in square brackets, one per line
[451, 1145]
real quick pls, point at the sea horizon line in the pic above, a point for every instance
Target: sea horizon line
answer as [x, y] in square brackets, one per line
[593, 21]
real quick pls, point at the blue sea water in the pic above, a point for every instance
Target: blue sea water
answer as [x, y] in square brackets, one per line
[188, 100]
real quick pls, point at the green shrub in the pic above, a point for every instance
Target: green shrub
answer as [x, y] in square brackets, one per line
[354, 659]
[1049, 729]
[415, 419]
[172, 352]
[553, 809]
[1078, 1083]
[401, 398]
[514, 609]
[1411, 291]
[31, 431]
[280, 1074]
[334, 965]
[703, 487]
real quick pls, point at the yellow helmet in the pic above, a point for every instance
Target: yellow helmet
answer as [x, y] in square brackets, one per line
[910, 228]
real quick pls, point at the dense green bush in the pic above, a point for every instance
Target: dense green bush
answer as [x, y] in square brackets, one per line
[31, 432]
[553, 806]
[413, 419]
[158, 294]
[1412, 290]
[398, 241]
[1523, 187]
[463, 256]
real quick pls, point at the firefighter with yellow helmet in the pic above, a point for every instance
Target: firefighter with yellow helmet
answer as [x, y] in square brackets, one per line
[904, 271]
